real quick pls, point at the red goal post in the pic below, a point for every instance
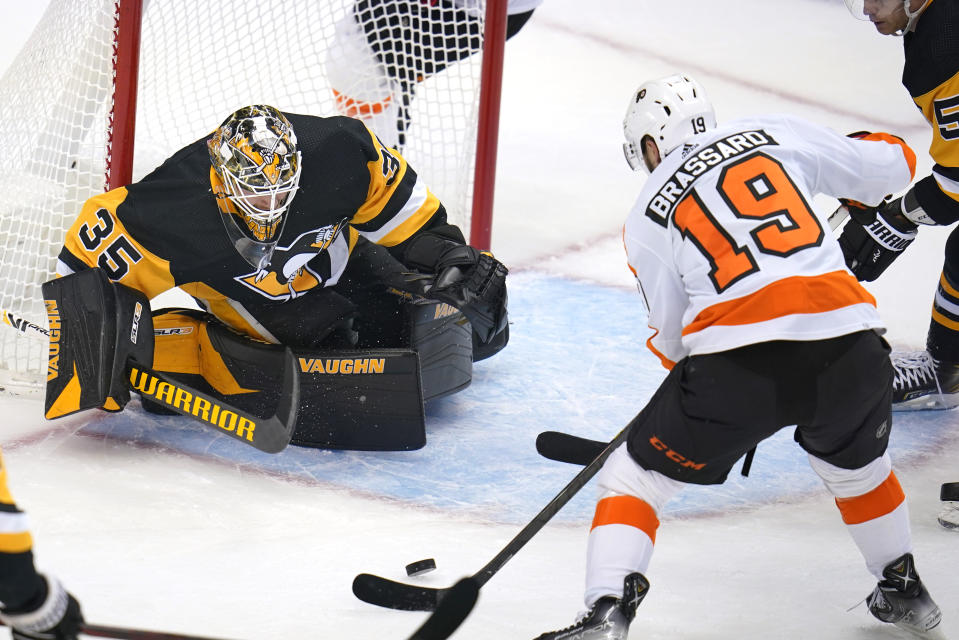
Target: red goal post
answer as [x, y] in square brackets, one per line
[105, 90]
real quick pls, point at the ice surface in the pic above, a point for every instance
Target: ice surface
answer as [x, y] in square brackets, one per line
[158, 523]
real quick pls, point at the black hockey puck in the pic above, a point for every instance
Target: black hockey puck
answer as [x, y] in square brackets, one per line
[949, 492]
[420, 567]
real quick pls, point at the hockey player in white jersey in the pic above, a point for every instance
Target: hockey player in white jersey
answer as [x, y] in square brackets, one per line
[761, 326]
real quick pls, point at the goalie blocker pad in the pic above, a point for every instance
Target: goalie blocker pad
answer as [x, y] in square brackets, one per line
[96, 326]
[356, 399]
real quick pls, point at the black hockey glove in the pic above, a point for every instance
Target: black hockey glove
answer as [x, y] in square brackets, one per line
[874, 237]
[56, 617]
[475, 283]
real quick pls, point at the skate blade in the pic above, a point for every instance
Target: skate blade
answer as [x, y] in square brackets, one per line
[929, 403]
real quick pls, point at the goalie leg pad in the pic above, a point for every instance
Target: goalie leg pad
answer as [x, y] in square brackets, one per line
[196, 348]
[364, 400]
[96, 327]
[367, 400]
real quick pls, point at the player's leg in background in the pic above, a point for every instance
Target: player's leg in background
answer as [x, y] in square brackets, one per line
[930, 379]
[384, 48]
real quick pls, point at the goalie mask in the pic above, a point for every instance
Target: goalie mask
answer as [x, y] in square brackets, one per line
[253, 153]
[666, 112]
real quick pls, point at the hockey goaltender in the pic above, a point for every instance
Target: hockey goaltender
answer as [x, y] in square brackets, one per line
[334, 296]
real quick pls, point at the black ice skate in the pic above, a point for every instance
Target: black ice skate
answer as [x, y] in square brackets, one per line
[901, 599]
[922, 382]
[609, 618]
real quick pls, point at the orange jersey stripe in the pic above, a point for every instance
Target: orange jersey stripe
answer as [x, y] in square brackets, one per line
[909, 154]
[798, 294]
[628, 510]
[666, 362]
[877, 503]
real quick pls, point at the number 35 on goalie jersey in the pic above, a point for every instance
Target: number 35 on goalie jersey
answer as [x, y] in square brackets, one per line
[728, 249]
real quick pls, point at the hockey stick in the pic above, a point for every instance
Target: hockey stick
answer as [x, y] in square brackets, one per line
[397, 595]
[270, 435]
[440, 625]
[836, 217]
[565, 447]
[126, 633]
[949, 492]
[450, 613]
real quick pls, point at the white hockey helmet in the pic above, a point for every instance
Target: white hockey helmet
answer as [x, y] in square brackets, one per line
[254, 154]
[668, 111]
[867, 9]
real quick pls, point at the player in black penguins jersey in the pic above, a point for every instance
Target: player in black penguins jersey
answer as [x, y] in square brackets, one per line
[926, 379]
[35, 606]
[295, 230]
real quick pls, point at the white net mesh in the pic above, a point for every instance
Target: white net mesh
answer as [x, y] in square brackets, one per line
[198, 63]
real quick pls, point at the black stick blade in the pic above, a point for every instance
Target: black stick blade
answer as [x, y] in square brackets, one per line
[451, 612]
[564, 447]
[396, 595]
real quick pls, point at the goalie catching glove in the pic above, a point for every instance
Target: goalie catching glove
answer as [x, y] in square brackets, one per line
[475, 283]
[875, 236]
[471, 280]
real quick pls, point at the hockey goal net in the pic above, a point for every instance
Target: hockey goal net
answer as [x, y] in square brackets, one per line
[411, 68]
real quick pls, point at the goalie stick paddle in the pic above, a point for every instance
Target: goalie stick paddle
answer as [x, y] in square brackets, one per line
[270, 435]
[949, 492]
[384, 592]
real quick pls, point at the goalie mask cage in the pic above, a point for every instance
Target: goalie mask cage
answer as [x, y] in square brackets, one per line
[182, 66]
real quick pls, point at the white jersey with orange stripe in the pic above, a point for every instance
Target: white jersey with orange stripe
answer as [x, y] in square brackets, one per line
[727, 247]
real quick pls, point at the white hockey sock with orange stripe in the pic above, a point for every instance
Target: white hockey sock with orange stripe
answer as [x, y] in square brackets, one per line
[625, 523]
[359, 81]
[873, 506]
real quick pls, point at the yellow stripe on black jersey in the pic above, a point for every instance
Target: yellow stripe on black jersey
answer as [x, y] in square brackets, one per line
[398, 204]
[14, 535]
[19, 581]
[931, 75]
[98, 239]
